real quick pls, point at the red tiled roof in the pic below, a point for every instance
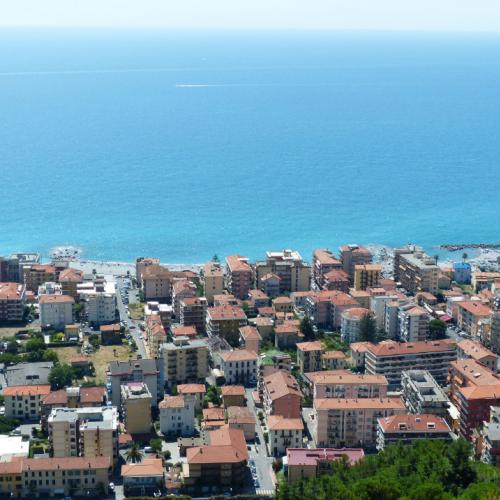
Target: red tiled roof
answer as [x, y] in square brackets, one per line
[52, 299]
[27, 390]
[413, 423]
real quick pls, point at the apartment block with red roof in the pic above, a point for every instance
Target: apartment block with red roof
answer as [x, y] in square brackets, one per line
[471, 316]
[391, 358]
[337, 279]
[157, 283]
[223, 462]
[56, 311]
[476, 351]
[284, 433]
[239, 366]
[410, 428]
[197, 391]
[225, 322]
[352, 255]
[12, 301]
[193, 312]
[69, 279]
[351, 422]
[413, 323]
[182, 289]
[309, 356]
[250, 338]
[37, 274]
[23, 402]
[323, 262]
[239, 276]
[304, 463]
[143, 478]
[334, 360]
[281, 395]
[233, 395]
[366, 276]
[79, 476]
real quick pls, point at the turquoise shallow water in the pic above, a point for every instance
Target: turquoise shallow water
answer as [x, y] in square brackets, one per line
[183, 145]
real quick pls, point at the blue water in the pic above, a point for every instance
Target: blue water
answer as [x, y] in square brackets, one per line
[182, 145]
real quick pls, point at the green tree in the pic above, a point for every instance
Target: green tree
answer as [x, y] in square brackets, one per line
[7, 424]
[50, 355]
[134, 454]
[61, 376]
[35, 344]
[437, 329]
[78, 308]
[12, 347]
[306, 327]
[213, 395]
[155, 443]
[367, 328]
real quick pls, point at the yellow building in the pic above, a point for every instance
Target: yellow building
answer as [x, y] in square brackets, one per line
[38, 274]
[309, 356]
[136, 407]
[366, 276]
[213, 280]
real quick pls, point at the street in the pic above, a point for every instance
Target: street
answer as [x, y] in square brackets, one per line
[258, 454]
[132, 325]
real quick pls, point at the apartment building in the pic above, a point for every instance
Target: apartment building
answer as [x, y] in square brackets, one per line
[233, 395]
[294, 273]
[351, 422]
[84, 432]
[77, 476]
[352, 255]
[287, 335]
[99, 301]
[323, 262]
[270, 284]
[250, 338]
[239, 366]
[193, 312]
[22, 402]
[56, 311]
[334, 360]
[140, 265]
[337, 279]
[110, 334]
[69, 279]
[392, 358]
[495, 332]
[222, 462]
[165, 311]
[468, 373]
[136, 407]
[490, 434]
[350, 325]
[11, 267]
[309, 356]
[471, 316]
[239, 276]
[415, 270]
[225, 322]
[407, 429]
[474, 405]
[345, 384]
[272, 361]
[177, 415]
[281, 395]
[476, 351]
[213, 280]
[157, 283]
[135, 370]
[367, 276]
[12, 302]
[185, 361]
[284, 433]
[413, 323]
[71, 397]
[196, 391]
[305, 463]
[155, 334]
[144, 478]
[182, 289]
[37, 274]
[421, 393]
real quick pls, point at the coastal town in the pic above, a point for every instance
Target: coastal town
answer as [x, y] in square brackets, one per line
[240, 377]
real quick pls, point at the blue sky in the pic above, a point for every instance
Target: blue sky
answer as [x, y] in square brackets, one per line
[468, 15]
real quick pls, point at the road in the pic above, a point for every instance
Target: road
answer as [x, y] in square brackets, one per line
[456, 335]
[132, 325]
[258, 454]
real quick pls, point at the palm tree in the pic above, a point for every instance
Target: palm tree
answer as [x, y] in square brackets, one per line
[464, 256]
[134, 454]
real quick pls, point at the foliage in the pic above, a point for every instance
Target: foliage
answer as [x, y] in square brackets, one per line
[174, 391]
[428, 469]
[50, 355]
[277, 464]
[306, 327]
[7, 424]
[155, 444]
[332, 342]
[61, 376]
[12, 347]
[213, 395]
[437, 329]
[35, 344]
[134, 454]
[95, 341]
[367, 328]
[10, 359]
[167, 455]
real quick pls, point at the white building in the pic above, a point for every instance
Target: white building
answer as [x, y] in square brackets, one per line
[13, 446]
[50, 288]
[350, 323]
[177, 416]
[239, 366]
[99, 300]
[22, 402]
[284, 433]
[56, 311]
[413, 323]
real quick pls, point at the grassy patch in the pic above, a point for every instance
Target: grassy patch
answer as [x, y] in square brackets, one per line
[100, 358]
[136, 311]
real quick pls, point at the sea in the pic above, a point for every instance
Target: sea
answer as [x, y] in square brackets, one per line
[186, 144]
